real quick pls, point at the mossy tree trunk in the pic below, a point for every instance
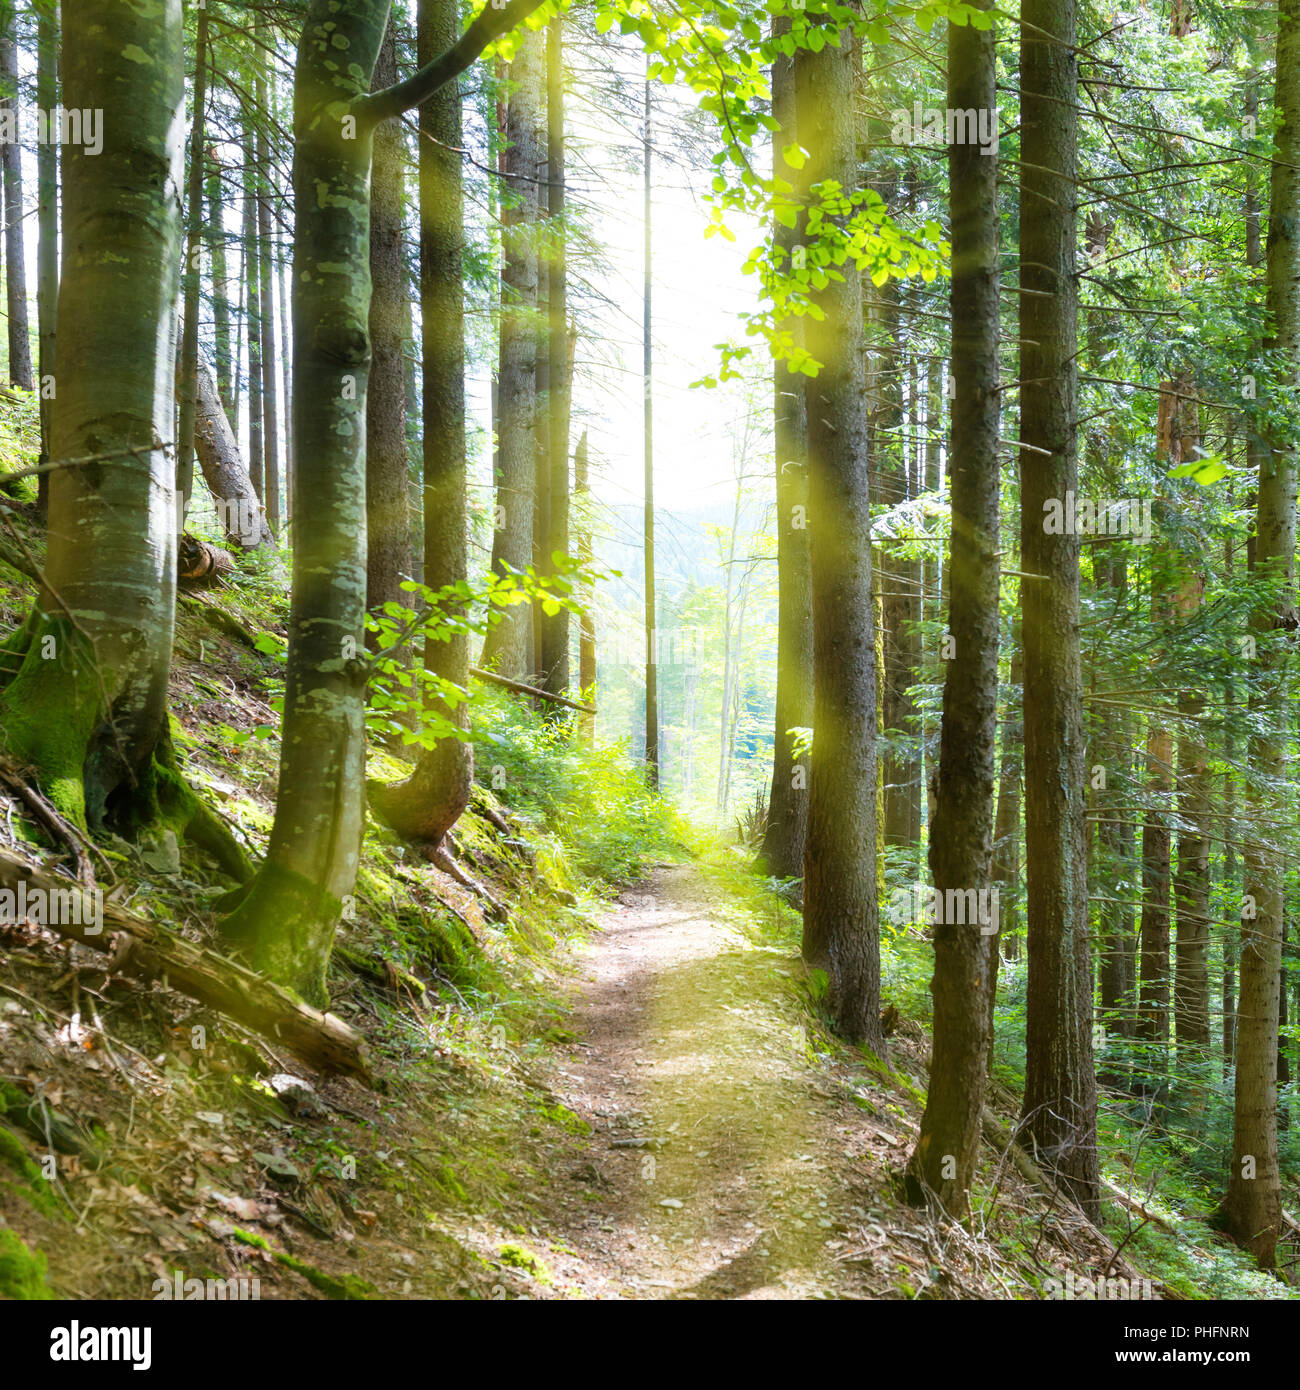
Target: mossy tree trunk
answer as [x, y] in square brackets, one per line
[287, 918]
[86, 712]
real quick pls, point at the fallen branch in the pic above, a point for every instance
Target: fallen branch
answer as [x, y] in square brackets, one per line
[521, 689]
[321, 1040]
[1133, 1205]
[44, 813]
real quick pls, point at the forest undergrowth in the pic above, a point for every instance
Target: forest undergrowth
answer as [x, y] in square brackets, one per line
[147, 1142]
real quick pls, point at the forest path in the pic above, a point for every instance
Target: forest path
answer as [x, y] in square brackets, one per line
[720, 1163]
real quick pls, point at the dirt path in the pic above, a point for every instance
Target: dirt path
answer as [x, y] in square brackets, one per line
[720, 1164]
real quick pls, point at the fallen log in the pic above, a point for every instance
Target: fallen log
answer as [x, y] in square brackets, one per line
[321, 1040]
[239, 509]
[200, 564]
[521, 689]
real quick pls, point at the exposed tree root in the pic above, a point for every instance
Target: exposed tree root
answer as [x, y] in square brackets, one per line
[440, 858]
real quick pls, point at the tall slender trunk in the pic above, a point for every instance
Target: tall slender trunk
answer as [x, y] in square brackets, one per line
[541, 425]
[286, 373]
[509, 645]
[1006, 825]
[961, 843]
[286, 379]
[1115, 839]
[554, 653]
[840, 901]
[253, 311]
[11, 157]
[1251, 1210]
[189, 367]
[1060, 1102]
[647, 387]
[587, 622]
[216, 230]
[47, 254]
[428, 803]
[899, 586]
[388, 559]
[266, 310]
[787, 807]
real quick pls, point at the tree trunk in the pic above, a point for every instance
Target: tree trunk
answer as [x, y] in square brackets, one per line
[554, 652]
[508, 647]
[1060, 1103]
[648, 530]
[87, 710]
[587, 622]
[1251, 1210]
[787, 808]
[1006, 825]
[286, 919]
[11, 156]
[239, 510]
[898, 584]
[253, 311]
[189, 367]
[961, 843]
[388, 557]
[216, 228]
[840, 903]
[47, 255]
[1118, 940]
[266, 311]
[429, 802]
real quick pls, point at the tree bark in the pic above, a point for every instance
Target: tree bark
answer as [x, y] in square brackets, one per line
[47, 254]
[554, 651]
[1060, 1103]
[1251, 1210]
[648, 523]
[191, 281]
[87, 709]
[587, 622]
[288, 917]
[508, 646]
[216, 237]
[239, 510]
[840, 903]
[11, 156]
[388, 556]
[429, 802]
[266, 311]
[961, 844]
[323, 1041]
[253, 311]
[787, 808]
